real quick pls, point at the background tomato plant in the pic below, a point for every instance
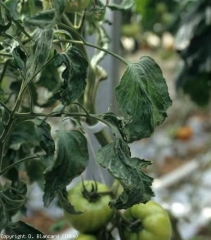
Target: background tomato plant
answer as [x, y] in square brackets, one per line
[44, 47]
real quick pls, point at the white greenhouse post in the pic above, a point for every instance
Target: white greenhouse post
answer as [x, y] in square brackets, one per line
[105, 95]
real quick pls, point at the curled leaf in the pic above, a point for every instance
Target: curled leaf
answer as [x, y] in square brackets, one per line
[143, 98]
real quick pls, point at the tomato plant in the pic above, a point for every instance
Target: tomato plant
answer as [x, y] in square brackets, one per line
[148, 222]
[92, 198]
[48, 89]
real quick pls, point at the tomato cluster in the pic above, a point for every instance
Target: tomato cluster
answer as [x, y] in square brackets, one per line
[140, 222]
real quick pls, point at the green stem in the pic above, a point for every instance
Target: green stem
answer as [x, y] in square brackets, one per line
[107, 51]
[7, 109]
[4, 71]
[5, 54]
[81, 107]
[17, 163]
[74, 114]
[19, 98]
[83, 42]
[3, 138]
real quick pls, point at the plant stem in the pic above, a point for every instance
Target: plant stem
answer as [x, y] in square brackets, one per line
[5, 55]
[107, 51]
[101, 136]
[18, 162]
[73, 114]
[4, 106]
[4, 71]
[83, 42]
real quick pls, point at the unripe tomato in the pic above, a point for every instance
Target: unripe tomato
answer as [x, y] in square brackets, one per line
[96, 12]
[154, 222]
[76, 5]
[86, 237]
[96, 212]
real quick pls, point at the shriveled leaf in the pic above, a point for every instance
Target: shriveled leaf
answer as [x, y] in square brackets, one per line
[43, 130]
[143, 98]
[66, 205]
[115, 157]
[71, 161]
[39, 51]
[43, 20]
[115, 124]
[74, 75]
[22, 228]
[126, 4]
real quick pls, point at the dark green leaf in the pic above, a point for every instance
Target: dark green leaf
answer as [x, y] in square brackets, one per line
[126, 4]
[21, 228]
[74, 75]
[66, 205]
[39, 51]
[15, 87]
[49, 78]
[35, 169]
[33, 95]
[143, 98]
[12, 175]
[115, 157]
[115, 124]
[196, 85]
[19, 58]
[43, 130]
[43, 20]
[71, 161]
[24, 133]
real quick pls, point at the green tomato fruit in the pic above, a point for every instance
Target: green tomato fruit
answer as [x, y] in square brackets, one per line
[117, 188]
[86, 237]
[76, 5]
[96, 12]
[154, 222]
[96, 212]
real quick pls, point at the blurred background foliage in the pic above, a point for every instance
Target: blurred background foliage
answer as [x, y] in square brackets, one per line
[178, 26]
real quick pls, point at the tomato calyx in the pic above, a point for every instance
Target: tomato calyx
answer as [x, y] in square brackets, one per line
[94, 194]
[134, 225]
